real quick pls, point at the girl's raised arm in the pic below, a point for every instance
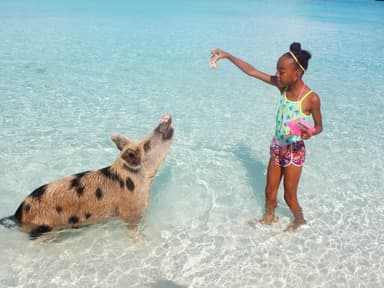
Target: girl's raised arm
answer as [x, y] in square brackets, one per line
[247, 68]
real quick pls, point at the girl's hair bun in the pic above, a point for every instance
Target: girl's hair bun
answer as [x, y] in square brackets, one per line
[295, 47]
[302, 56]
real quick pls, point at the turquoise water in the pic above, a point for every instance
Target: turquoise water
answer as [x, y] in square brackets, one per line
[74, 73]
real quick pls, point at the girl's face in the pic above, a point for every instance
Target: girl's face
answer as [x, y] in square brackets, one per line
[287, 72]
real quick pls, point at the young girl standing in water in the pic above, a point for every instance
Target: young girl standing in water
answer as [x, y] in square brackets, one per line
[287, 150]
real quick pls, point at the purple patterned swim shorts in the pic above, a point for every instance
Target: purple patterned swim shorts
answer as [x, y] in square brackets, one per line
[284, 156]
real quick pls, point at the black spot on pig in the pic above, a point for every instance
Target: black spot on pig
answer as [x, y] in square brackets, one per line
[80, 191]
[130, 185]
[41, 229]
[39, 192]
[112, 176]
[87, 215]
[75, 182]
[19, 212]
[147, 146]
[99, 193]
[59, 209]
[81, 174]
[26, 208]
[73, 220]
[23, 208]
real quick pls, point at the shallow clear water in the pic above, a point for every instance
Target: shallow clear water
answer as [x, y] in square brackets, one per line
[74, 73]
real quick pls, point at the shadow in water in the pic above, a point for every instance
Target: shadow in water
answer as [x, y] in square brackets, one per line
[165, 284]
[35, 67]
[255, 170]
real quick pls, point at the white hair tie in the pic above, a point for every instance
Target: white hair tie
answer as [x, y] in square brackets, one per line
[296, 60]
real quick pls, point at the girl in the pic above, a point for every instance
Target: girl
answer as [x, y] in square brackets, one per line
[287, 150]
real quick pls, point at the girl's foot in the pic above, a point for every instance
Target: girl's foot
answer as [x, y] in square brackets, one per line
[293, 226]
[268, 219]
[299, 220]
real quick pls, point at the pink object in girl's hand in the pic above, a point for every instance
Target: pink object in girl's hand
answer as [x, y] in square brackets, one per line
[298, 126]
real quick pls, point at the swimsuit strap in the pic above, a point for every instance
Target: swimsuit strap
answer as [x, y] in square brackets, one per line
[306, 94]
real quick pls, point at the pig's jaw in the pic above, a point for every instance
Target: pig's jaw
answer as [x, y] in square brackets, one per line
[152, 164]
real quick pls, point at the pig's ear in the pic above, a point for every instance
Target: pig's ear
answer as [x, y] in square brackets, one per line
[120, 141]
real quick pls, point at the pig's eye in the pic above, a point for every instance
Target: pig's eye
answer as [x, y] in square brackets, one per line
[147, 146]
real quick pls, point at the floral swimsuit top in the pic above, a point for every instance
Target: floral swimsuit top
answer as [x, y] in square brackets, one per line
[288, 110]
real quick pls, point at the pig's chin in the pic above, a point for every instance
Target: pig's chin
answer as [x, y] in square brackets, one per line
[131, 167]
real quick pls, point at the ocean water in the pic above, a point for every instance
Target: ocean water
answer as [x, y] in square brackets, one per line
[75, 72]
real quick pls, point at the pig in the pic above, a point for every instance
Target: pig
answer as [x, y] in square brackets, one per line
[120, 190]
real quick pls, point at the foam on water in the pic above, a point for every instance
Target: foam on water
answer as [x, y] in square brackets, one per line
[72, 74]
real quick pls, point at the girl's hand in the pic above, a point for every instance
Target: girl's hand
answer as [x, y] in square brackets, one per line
[306, 135]
[218, 54]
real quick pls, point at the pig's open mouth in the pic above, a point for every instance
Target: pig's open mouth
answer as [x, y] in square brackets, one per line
[165, 127]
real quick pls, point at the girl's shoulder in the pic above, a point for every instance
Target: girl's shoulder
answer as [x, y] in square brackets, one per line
[311, 95]
[314, 97]
[310, 101]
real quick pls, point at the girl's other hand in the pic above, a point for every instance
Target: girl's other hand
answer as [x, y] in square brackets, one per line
[306, 135]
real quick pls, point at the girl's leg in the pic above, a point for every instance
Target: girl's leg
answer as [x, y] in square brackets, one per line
[274, 175]
[291, 182]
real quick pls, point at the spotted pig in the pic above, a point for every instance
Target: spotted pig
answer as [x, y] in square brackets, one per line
[121, 190]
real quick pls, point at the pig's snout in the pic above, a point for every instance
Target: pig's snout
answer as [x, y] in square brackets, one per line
[165, 127]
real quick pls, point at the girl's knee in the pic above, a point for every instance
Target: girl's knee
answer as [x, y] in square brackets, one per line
[271, 194]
